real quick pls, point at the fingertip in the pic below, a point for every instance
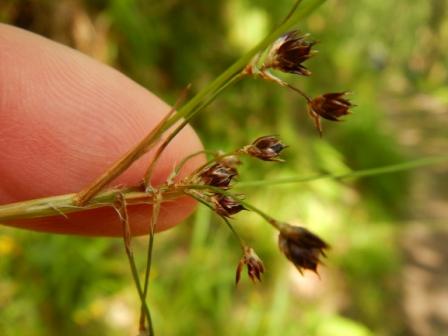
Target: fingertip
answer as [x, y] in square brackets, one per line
[65, 119]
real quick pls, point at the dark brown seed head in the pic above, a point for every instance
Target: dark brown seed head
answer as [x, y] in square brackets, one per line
[330, 106]
[226, 206]
[218, 175]
[302, 247]
[266, 148]
[289, 52]
[255, 267]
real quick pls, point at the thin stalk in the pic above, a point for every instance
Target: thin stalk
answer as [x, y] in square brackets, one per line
[249, 206]
[270, 77]
[179, 166]
[212, 161]
[127, 239]
[153, 223]
[300, 92]
[122, 164]
[150, 170]
[395, 168]
[292, 11]
[166, 142]
[229, 225]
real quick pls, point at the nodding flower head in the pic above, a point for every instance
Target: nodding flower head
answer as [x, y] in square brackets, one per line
[255, 267]
[302, 247]
[226, 206]
[266, 148]
[330, 106]
[218, 175]
[289, 52]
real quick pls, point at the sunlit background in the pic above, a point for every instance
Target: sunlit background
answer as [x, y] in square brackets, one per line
[387, 271]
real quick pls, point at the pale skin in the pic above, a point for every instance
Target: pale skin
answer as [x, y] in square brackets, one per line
[64, 119]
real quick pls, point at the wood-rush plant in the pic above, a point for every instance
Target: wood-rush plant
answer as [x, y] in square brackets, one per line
[211, 184]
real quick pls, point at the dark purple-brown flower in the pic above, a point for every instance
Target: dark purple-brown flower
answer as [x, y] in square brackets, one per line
[289, 52]
[302, 247]
[255, 267]
[330, 106]
[218, 175]
[266, 148]
[226, 206]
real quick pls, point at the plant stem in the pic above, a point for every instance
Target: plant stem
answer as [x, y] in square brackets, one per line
[63, 204]
[127, 239]
[121, 165]
[179, 166]
[153, 223]
[395, 168]
[229, 225]
[150, 170]
[237, 198]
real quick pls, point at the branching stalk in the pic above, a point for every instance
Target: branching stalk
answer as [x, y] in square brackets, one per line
[127, 238]
[154, 218]
[63, 204]
[229, 225]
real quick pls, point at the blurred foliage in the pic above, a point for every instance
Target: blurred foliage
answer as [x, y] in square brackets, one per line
[389, 53]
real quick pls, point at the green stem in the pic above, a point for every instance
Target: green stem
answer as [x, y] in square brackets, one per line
[237, 198]
[62, 205]
[229, 225]
[184, 161]
[358, 173]
[120, 206]
[153, 223]
[185, 122]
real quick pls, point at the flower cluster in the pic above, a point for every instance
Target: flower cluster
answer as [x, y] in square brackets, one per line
[287, 54]
[219, 173]
[214, 180]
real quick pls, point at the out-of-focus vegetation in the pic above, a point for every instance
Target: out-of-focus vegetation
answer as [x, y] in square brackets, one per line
[386, 232]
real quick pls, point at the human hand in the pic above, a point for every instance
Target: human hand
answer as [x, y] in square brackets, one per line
[64, 119]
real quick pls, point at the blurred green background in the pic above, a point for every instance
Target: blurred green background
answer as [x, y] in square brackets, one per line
[387, 272]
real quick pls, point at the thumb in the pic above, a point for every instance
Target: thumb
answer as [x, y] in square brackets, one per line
[65, 118]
